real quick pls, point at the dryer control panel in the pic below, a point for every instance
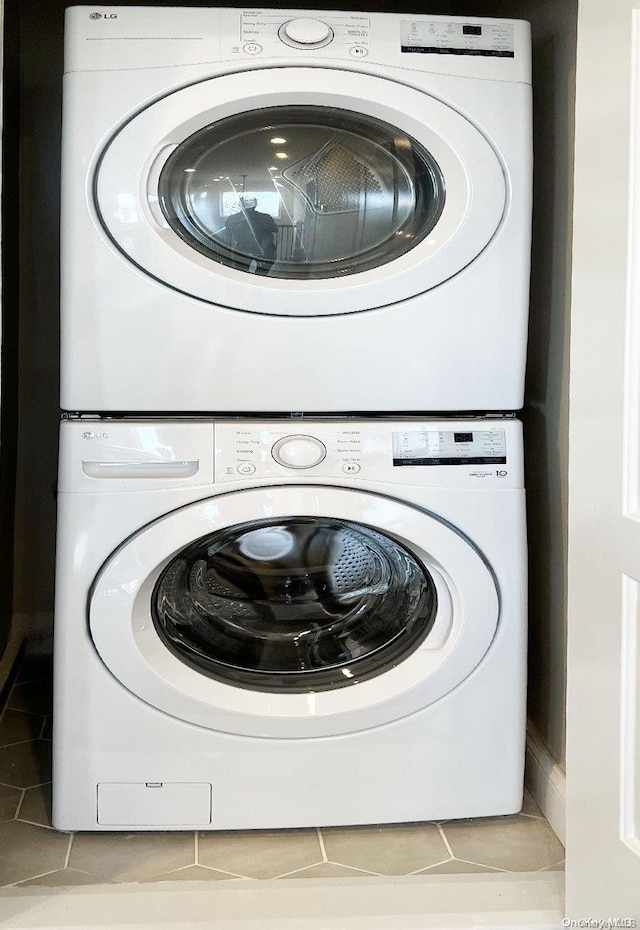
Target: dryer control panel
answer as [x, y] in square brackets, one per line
[408, 41]
[116, 38]
[264, 30]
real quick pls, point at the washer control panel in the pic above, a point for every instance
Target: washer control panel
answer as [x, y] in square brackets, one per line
[284, 448]
[429, 453]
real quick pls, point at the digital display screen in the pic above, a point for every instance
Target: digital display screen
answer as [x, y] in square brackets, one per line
[448, 447]
[441, 37]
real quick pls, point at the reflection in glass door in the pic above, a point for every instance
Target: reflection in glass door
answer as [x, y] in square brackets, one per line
[301, 192]
[294, 605]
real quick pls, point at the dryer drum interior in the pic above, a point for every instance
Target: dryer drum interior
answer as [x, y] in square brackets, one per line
[301, 192]
[294, 605]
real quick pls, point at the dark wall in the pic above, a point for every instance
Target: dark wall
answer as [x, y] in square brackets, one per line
[546, 415]
[10, 298]
[39, 37]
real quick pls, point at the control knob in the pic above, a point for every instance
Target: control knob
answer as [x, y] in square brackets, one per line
[299, 451]
[306, 33]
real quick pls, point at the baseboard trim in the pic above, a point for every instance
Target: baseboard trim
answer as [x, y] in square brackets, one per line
[493, 901]
[546, 781]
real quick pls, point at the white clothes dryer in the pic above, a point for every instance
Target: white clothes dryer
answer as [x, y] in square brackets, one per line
[288, 623]
[277, 211]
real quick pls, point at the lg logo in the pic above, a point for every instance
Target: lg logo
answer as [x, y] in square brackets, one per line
[501, 472]
[103, 15]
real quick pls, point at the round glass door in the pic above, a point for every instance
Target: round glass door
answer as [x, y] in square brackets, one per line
[294, 605]
[301, 192]
[298, 191]
[294, 611]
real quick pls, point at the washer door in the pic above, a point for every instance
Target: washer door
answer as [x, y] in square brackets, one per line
[300, 191]
[294, 611]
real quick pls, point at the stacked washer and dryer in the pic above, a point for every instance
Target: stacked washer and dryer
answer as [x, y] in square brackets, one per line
[291, 563]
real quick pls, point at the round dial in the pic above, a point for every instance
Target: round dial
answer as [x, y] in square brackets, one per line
[305, 31]
[299, 451]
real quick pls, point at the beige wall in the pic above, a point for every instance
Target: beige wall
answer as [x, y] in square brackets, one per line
[603, 746]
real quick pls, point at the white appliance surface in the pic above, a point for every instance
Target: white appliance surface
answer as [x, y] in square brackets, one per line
[282, 623]
[256, 219]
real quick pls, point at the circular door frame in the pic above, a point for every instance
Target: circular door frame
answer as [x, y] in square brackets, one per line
[476, 191]
[125, 637]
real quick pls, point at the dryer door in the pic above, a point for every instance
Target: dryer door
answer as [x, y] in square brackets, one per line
[294, 611]
[300, 191]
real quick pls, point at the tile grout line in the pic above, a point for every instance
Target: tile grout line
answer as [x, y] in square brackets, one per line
[490, 868]
[356, 869]
[20, 708]
[445, 841]
[351, 868]
[209, 868]
[322, 846]
[484, 865]
[21, 742]
[250, 878]
[19, 807]
[30, 879]
[68, 856]
[153, 878]
[295, 871]
[428, 867]
[33, 823]
[550, 867]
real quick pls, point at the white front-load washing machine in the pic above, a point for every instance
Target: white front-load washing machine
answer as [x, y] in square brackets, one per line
[288, 623]
[272, 211]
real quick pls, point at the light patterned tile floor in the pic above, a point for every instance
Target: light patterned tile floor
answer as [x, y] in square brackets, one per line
[36, 854]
